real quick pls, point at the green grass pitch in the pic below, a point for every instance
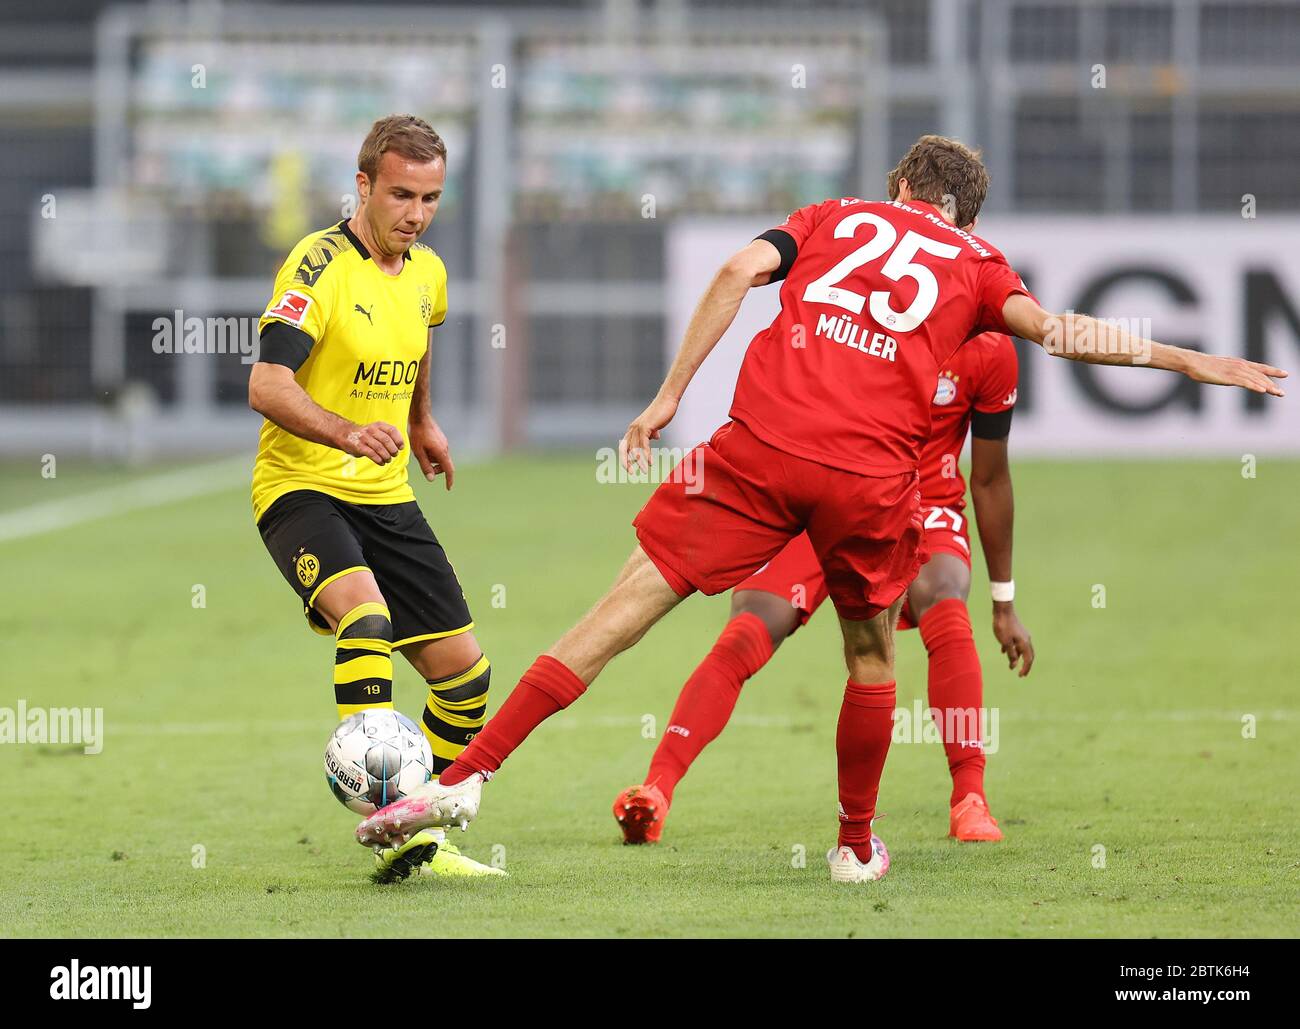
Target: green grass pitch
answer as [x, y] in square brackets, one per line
[1133, 803]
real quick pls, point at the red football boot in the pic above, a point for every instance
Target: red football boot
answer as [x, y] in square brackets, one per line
[640, 811]
[970, 821]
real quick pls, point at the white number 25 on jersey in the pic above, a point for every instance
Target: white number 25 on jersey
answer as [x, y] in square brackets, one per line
[899, 266]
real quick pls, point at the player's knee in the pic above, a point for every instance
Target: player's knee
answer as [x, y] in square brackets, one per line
[340, 598]
[869, 648]
[368, 621]
[455, 711]
[872, 667]
[481, 682]
[928, 590]
[465, 693]
[778, 616]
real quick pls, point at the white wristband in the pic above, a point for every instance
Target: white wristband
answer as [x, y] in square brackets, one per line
[1003, 592]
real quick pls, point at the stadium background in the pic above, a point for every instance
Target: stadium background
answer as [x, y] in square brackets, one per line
[182, 148]
[163, 157]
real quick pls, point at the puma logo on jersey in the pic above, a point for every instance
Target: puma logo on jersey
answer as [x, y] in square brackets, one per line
[1010, 398]
[358, 307]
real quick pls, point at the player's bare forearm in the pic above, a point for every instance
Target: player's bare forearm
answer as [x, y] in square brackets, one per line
[717, 309]
[712, 317]
[421, 399]
[991, 492]
[431, 450]
[429, 443]
[276, 396]
[994, 500]
[752, 266]
[1080, 337]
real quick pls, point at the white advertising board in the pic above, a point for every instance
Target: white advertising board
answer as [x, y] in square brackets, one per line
[1226, 285]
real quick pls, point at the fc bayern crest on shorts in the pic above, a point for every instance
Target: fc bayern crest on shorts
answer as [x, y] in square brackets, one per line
[945, 392]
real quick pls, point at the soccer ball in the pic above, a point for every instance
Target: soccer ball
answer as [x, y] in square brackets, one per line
[376, 757]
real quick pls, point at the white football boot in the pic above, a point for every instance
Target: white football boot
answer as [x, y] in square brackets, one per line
[432, 805]
[846, 868]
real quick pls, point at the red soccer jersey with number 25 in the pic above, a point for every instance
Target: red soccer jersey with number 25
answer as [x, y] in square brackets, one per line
[878, 297]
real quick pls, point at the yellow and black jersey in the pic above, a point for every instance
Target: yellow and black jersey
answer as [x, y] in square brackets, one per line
[354, 337]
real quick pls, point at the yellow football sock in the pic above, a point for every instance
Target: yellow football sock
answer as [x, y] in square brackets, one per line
[456, 711]
[363, 662]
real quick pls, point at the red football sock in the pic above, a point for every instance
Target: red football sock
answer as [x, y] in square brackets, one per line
[547, 687]
[861, 744]
[956, 693]
[708, 698]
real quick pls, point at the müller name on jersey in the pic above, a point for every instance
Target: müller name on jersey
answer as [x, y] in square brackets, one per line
[844, 330]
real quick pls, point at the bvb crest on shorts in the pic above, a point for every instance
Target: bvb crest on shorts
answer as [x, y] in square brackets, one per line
[308, 568]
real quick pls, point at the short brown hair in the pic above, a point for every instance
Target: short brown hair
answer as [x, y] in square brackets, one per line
[403, 134]
[937, 168]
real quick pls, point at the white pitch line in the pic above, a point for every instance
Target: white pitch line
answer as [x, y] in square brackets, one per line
[283, 727]
[151, 491]
[1079, 717]
[290, 727]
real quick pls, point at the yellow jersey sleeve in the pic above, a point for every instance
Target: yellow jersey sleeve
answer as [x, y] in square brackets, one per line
[303, 298]
[439, 314]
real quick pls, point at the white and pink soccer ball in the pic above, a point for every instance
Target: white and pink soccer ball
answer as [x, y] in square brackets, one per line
[375, 757]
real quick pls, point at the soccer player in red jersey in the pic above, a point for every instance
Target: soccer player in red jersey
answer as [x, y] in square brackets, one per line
[976, 391]
[831, 409]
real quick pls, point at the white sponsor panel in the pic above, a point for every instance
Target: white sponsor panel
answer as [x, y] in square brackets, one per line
[1221, 284]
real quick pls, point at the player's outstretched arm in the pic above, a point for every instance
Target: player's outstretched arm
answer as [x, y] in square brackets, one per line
[276, 396]
[991, 492]
[752, 266]
[1078, 337]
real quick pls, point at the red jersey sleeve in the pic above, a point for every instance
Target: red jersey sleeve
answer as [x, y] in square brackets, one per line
[799, 226]
[995, 281]
[1000, 377]
[789, 236]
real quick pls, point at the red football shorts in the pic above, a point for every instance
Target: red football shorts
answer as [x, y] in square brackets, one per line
[947, 531]
[795, 574]
[735, 502]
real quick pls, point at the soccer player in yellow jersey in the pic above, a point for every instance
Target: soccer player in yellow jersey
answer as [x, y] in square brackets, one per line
[343, 368]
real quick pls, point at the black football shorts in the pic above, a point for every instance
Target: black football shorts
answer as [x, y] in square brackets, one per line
[315, 538]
